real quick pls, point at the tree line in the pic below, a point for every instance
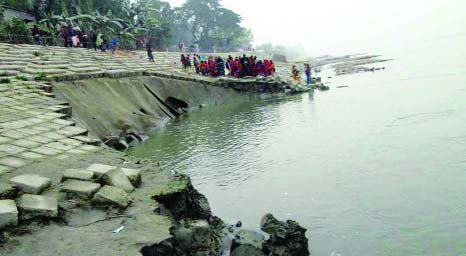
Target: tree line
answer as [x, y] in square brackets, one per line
[201, 24]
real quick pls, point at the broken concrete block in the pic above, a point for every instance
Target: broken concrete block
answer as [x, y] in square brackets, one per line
[100, 169]
[8, 214]
[7, 191]
[30, 183]
[134, 176]
[118, 179]
[77, 175]
[32, 206]
[110, 195]
[82, 189]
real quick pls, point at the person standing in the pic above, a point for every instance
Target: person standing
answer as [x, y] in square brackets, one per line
[295, 73]
[36, 34]
[74, 37]
[99, 41]
[308, 73]
[94, 40]
[150, 55]
[115, 42]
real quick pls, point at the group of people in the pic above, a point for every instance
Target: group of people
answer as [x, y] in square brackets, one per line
[72, 37]
[307, 70]
[237, 67]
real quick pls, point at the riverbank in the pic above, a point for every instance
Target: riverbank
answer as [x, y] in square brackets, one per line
[63, 191]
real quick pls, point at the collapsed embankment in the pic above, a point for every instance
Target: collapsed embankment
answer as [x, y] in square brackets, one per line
[126, 108]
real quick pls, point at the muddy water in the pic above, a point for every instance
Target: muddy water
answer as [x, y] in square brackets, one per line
[376, 168]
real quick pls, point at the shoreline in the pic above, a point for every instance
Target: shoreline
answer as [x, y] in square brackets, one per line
[47, 158]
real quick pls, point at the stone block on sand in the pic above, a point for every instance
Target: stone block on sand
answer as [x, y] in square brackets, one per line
[83, 189]
[32, 206]
[78, 175]
[118, 179]
[134, 176]
[110, 195]
[8, 214]
[30, 183]
[100, 169]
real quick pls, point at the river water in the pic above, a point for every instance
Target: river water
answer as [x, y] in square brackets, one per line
[376, 168]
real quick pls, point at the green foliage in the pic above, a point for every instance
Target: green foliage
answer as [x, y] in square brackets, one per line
[210, 25]
[41, 76]
[37, 54]
[22, 78]
[15, 31]
[4, 80]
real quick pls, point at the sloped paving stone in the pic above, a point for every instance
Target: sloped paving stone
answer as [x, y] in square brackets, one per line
[32, 206]
[82, 189]
[31, 155]
[30, 183]
[110, 195]
[71, 131]
[13, 162]
[11, 149]
[84, 175]
[118, 179]
[54, 135]
[46, 151]
[8, 213]
[4, 140]
[41, 139]
[14, 134]
[26, 143]
[69, 141]
[5, 169]
[60, 146]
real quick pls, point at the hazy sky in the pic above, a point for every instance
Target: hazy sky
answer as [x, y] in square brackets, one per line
[341, 26]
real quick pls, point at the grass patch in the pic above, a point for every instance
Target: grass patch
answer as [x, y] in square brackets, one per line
[41, 76]
[37, 54]
[22, 78]
[5, 80]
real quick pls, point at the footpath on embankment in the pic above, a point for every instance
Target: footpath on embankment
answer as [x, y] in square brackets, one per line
[64, 192]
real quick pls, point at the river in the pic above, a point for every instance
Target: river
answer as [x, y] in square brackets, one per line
[376, 168]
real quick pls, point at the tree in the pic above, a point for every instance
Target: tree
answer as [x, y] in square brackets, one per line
[203, 22]
[208, 24]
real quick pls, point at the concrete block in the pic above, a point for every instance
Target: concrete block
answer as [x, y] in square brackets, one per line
[100, 169]
[30, 183]
[84, 175]
[8, 213]
[118, 179]
[82, 189]
[134, 176]
[114, 196]
[32, 206]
